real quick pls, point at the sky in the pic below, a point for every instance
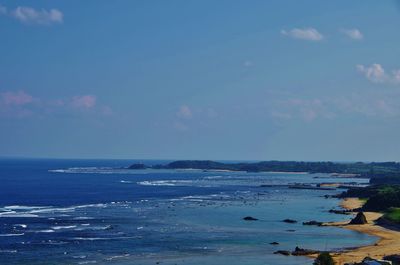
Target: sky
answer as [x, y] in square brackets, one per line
[182, 79]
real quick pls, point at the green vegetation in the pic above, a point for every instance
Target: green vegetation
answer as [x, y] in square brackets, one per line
[393, 215]
[387, 196]
[374, 170]
[380, 198]
[324, 258]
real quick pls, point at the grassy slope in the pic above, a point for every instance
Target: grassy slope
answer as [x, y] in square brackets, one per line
[393, 215]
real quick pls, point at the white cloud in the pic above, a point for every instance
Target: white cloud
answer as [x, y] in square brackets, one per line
[374, 73]
[30, 15]
[16, 98]
[184, 112]
[310, 34]
[367, 105]
[303, 109]
[84, 102]
[354, 34]
[377, 74]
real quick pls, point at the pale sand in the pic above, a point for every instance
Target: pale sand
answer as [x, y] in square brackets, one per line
[388, 243]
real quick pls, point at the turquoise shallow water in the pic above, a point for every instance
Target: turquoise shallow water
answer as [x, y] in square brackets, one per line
[91, 212]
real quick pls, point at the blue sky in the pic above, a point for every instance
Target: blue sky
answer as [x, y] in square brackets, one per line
[245, 80]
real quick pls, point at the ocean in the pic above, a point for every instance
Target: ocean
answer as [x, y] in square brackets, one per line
[55, 211]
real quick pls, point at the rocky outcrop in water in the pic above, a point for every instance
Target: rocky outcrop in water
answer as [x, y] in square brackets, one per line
[313, 223]
[303, 252]
[283, 252]
[250, 218]
[290, 221]
[298, 252]
[340, 211]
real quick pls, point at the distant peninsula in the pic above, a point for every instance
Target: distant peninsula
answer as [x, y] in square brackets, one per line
[377, 171]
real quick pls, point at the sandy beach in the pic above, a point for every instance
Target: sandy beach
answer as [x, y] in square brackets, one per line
[387, 244]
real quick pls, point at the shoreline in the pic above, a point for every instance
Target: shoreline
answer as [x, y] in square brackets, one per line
[388, 242]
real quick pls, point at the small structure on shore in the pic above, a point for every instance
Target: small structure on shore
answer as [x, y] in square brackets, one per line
[360, 219]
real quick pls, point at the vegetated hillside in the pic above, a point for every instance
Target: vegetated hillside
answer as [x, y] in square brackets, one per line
[393, 215]
[379, 197]
[378, 170]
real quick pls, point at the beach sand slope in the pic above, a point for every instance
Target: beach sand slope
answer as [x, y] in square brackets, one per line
[388, 243]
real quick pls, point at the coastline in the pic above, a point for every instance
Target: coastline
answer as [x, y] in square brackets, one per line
[388, 242]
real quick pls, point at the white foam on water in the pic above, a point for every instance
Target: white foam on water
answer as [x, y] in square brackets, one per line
[23, 207]
[63, 227]
[8, 235]
[21, 225]
[45, 231]
[80, 257]
[18, 215]
[166, 183]
[90, 238]
[87, 262]
[118, 257]
[87, 227]
[126, 181]
[83, 218]
[8, 251]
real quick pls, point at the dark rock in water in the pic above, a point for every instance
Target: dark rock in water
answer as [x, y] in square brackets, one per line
[359, 219]
[283, 252]
[274, 243]
[303, 252]
[313, 223]
[340, 211]
[290, 230]
[250, 218]
[290, 221]
[137, 166]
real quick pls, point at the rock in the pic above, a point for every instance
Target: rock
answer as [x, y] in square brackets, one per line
[290, 221]
[283, 252]
[340, 211]
[250, 218]
[313, 223]
[274, 243]
[303, 252]
[359, 219]
[291, 230]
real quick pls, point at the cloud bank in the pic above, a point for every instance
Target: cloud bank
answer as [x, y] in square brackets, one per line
[21, 104]
[377, 74]
[310, 34]
[30, 15]
[354, 34]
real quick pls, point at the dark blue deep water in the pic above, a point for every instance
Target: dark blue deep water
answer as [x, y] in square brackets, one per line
[97, 212]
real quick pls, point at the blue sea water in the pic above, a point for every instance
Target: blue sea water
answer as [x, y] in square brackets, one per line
[97, 212]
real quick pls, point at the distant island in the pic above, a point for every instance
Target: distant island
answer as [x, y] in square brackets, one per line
[378, 172]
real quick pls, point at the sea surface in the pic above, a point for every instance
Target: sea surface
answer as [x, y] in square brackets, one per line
[97, 212]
